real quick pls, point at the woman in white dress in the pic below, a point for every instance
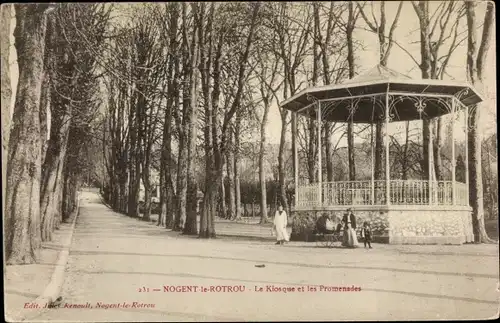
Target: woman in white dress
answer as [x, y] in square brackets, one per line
[280, 223]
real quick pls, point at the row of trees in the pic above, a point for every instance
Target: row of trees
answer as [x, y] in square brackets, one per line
[278, 50]
[57, 78]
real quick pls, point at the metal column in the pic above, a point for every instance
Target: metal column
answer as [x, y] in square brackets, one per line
[453, 159]
[320, 168]
[467, 153]
[296, 158]
[387, 144]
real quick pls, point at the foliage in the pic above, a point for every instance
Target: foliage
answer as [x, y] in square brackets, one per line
[303, 225]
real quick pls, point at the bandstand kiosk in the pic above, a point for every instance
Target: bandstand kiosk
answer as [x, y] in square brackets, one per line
[426, 211]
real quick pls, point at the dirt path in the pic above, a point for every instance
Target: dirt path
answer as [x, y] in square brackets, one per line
[119, 260]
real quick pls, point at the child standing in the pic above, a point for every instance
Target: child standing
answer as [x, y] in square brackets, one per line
[366, 233]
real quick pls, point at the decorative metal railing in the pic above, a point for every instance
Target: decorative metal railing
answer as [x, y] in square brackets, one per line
[402, 192]
[415, 192]
[308, 195]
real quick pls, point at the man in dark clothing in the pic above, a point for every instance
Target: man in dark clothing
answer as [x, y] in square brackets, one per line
[349, 218]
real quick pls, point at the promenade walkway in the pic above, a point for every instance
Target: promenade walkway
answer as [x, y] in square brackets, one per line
[123, 269]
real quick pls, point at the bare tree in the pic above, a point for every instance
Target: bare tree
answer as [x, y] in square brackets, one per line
[190, 54]
[190, 223]
[267, 74]
[349, 29]
[5, 15]
[476, 67]
[332, 46]
[211, 42]
[207, 229]
[290, 46]
[61, 113]
[22, 201]
[443, 23]
[151, 71]
[71, 75]
[170, 21]
[183, 120]
[378, 26]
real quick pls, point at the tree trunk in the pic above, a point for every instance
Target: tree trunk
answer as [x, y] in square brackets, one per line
[123, 178]
[425, 69]
[135, 158]
[237, 191]
[350, 62]
[379, 172]
[56, 152]
[237, 188]
[166, 165]
[163, 197]
[22, 202]
[68, 188]
[350, 145]
[44, 106]
[137, 187]
[437, 146]
[426, 132]
[207, 229]
[146, 216]
[212, 182]
[190, 222]
[294, 143]
[133, 171]
[191, 226]
[139, 107]
[231, 210]
[181, 183]
[262, 179]
[223, 207]
[475, 72]
[476, 197]
[328, 151]
[312, 151]
[57, 217]
[281, 161]
[115, 198]
[5, 16]
[189, 62]
[405, 151]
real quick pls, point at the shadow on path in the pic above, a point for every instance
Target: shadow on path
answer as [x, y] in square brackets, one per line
[442, 253]
[20, 293]
[400, 270]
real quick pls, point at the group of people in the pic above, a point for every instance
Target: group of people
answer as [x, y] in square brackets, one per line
[325, 225]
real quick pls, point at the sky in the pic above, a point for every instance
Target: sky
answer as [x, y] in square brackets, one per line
[406, 34]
